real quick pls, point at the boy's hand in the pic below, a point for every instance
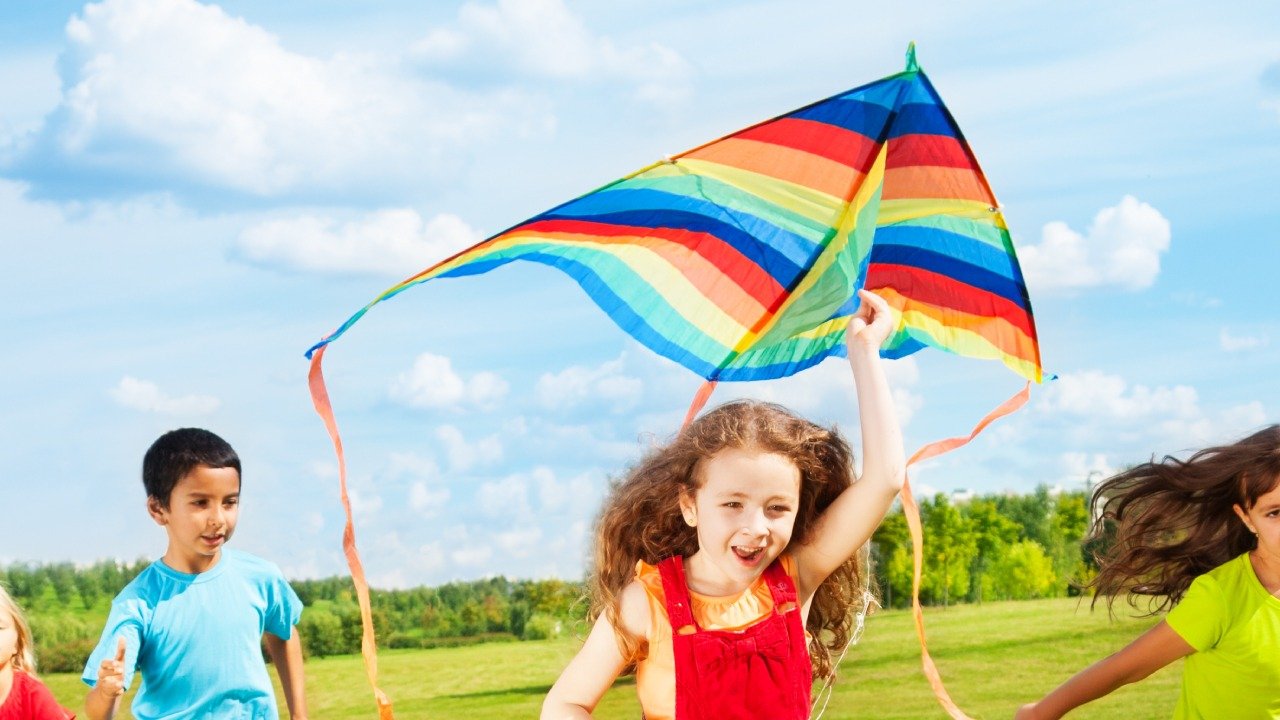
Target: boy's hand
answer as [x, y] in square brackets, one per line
[871, 325]
[111, 673]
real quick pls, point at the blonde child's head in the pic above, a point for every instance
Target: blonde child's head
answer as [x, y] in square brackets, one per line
[642, 518]
[15, 636]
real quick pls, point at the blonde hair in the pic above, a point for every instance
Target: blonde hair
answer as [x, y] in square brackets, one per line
[641, 518]
[24, 659]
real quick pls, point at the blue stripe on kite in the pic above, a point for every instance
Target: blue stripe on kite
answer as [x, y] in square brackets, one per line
[613, 305]
[746, 373]
[867, 119]
[976, 252]
[884, 93]
[783, 270]
[922, 119]
[795, 248]
[950, 267]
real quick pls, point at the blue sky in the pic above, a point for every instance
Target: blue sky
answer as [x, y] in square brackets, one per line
[192, 194]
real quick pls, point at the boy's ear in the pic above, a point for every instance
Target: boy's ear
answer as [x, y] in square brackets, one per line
[157, 511]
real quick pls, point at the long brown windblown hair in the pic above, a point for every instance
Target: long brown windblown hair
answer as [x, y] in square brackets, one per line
[1163, 523]
[641, 519]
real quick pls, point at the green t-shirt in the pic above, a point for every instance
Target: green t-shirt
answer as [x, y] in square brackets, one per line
[1234, 625]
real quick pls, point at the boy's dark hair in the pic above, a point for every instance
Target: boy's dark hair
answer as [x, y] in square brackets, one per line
[178, 452]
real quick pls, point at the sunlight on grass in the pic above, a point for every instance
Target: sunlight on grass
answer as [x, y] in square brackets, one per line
[993, 658]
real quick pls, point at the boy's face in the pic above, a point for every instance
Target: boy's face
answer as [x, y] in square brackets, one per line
[201, 517]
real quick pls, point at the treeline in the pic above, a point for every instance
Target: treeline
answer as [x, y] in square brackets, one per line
[68, 605]
[993, 547]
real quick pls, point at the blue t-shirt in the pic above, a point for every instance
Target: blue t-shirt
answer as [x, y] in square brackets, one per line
[197, 638]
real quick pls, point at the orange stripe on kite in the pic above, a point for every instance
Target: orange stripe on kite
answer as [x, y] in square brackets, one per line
[908, 183]
[782, 163]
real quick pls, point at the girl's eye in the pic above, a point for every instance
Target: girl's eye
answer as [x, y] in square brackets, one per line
[780, 508]
[733, 504]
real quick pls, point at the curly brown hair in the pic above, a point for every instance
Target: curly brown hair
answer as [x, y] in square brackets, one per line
[641, 519]
[1161, 524]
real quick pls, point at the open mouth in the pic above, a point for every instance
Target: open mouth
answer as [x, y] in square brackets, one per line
[748, 555]
[213, 539]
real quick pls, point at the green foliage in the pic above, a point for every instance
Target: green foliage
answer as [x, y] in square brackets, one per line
[543, 627]
[1022, 572]
[1016, 536]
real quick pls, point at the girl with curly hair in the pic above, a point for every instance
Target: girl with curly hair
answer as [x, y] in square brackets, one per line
[22, 695]
[726, 563]
[1201, 536]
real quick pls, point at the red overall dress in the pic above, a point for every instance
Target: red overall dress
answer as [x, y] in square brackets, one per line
[762, 672]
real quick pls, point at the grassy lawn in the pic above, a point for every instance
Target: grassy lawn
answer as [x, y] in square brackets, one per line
[993, 657]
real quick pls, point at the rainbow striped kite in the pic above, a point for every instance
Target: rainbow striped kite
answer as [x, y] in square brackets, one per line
[740, 259]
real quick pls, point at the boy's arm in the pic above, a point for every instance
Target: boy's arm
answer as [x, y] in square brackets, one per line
[287, 656]
[849, 521]
[1154, 649]
[103, 700]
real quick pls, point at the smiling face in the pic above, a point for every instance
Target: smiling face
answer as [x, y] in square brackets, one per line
[1263, 519]
[744, 511]
[200, 517]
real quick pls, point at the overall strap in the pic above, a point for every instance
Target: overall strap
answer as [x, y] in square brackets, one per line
[781, 587]
[675, 591]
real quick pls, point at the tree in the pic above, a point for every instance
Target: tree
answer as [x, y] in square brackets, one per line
[1022, 572]
[949, 549]
[993, 533]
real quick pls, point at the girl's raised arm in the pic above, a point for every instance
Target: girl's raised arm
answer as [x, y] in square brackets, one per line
[851, 519]
[1154, 649]
[595, 667]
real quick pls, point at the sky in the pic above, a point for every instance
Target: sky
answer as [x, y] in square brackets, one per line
[192, 194]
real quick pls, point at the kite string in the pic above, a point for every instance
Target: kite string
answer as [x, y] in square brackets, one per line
[368, 643]
[912, 512]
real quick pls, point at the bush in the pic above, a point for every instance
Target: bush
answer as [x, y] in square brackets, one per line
[542, 627]
[68, 657]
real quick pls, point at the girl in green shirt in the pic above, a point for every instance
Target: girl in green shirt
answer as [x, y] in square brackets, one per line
[1201, 536]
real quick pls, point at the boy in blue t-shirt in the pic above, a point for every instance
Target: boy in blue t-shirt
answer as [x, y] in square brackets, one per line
[193, 621]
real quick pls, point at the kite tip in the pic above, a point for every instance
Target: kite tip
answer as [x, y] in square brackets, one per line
[912, 65]
[312, 350]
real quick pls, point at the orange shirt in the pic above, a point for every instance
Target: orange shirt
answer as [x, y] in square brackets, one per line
[656, 672]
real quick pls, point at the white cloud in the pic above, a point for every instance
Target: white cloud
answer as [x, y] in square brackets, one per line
[392, 242]
[519, 542]
[508, 497]
[543, 38]
[1122, 248]
[1101, 396]
[432, 383]
[427, 501]
[165, 90]
[1080, 467]
[464, 455]
[1237, 343]
[1104, 409]
[362, 504]
[579, 385]
[147, 396]
[472, 556]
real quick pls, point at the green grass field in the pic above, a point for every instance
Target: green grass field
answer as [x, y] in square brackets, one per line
[993, 657]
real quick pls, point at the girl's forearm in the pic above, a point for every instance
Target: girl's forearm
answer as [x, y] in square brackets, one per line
[883, 458]
[1095, 681]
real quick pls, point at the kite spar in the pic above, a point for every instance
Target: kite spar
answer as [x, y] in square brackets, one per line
[740, 259]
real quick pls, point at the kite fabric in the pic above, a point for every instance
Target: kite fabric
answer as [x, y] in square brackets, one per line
[740, 259]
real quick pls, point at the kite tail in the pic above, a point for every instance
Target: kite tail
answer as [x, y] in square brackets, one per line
[368, 645]
[912, 512]
[699, 402]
